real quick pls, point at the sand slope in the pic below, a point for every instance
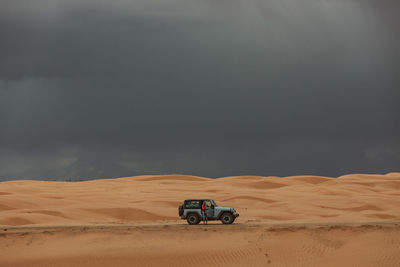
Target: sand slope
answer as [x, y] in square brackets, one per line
[211, 245]
[143, 199]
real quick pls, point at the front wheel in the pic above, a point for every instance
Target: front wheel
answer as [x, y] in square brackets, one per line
[193, 219]
[227, 218]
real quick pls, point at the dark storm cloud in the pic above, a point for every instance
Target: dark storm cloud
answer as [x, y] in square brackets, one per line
[101, 89]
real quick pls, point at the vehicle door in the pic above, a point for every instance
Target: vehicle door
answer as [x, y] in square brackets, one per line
[210, 209]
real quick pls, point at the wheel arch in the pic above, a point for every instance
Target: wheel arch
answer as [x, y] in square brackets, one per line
[222, 212]
[193, 212]
[193, 218]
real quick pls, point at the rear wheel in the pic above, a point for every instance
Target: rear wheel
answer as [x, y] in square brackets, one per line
[227, 218]
[193, 219]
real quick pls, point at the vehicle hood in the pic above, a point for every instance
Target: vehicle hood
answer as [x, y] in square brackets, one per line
[225, 208]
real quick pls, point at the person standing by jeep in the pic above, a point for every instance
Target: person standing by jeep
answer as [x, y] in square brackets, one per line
[203, 212]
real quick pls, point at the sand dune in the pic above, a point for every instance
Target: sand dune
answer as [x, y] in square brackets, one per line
[349, 198]
[249, 199]
[153, 200]
[129, 214]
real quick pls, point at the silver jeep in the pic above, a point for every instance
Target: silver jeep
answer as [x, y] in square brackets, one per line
[191, 211]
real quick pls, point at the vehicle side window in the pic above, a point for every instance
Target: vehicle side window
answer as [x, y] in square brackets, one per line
[192, 204]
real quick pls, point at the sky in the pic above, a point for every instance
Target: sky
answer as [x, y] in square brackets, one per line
[97, 89]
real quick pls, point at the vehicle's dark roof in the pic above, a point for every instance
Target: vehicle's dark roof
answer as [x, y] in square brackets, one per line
[197, 199]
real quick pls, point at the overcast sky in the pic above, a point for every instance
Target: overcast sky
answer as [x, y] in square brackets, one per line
[93, 89]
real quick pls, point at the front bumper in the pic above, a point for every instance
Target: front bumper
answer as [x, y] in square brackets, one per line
[236, 215]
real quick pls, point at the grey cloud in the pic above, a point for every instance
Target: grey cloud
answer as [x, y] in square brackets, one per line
[200, 87]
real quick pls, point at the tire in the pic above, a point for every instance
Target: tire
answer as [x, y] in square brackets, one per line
[227, 218]
[193, 219]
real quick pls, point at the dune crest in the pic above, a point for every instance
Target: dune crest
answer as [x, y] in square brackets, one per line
[310, 179]
[172, 177]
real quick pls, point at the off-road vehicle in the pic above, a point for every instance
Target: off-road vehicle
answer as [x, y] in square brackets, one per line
[191, 211]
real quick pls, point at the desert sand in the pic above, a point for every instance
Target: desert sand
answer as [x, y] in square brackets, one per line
[352, 220]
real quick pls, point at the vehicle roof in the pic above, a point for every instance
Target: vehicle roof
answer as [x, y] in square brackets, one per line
[198, 199]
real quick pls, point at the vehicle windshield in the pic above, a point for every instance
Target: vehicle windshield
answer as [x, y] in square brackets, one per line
[213, 203]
